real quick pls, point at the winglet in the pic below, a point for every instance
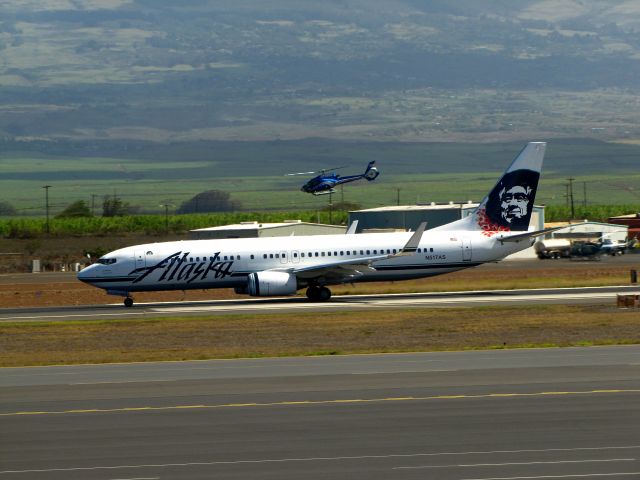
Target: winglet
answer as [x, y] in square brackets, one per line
[352, 228]
[412, 245]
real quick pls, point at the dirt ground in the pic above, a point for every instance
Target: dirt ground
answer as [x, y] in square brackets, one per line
[62, 289]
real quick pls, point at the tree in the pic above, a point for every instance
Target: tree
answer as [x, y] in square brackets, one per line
[77, 209]
[115, 207]
[210, 201]
[6, 209]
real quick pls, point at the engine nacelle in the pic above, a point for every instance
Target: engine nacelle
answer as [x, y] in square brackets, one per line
[265, 284]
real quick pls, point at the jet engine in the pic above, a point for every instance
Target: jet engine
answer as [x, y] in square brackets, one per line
[265, 284]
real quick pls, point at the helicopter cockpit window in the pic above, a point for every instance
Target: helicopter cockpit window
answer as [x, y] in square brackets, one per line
[107, 261]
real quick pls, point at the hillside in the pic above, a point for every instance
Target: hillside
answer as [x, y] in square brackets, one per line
[412, 70]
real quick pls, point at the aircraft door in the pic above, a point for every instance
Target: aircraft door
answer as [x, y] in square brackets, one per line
[140, 258]
[466, 249]
[283, 257]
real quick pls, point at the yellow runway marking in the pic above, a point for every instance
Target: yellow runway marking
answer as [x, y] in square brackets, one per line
[317, 402]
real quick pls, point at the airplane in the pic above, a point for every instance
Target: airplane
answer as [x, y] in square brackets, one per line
[324, 184]
[277, 266]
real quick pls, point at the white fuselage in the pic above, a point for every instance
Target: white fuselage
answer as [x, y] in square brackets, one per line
[200, 264]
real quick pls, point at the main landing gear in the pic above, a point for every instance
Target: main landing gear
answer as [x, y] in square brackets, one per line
[318, 294]
[128, 302]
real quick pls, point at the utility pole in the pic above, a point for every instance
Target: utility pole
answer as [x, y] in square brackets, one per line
[573, 212]
[166, 217]
[93, 203]
[398, 196]
[46, 204]
[584, 192]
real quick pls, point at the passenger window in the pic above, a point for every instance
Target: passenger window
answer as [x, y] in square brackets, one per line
[264, 256]
[271, 255]
[361, 252]
[191, 259]
[322, 253]
[368, 252]
[251, 257]
[394, 250]
[316, 254]
[431, 249]
[225, 257]
[295, 255]
[329, 253]
[277, 255]
[197, 259]
[302, 254]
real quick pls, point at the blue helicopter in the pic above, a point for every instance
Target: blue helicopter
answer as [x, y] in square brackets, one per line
[324, 183]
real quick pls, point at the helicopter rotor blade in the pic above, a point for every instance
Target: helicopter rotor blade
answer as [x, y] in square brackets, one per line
[299, 173]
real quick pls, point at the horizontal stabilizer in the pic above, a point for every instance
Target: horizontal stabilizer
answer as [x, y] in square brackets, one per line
[524, 236]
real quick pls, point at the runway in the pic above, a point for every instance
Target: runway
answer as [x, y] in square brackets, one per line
[505, 414]
[590, 295]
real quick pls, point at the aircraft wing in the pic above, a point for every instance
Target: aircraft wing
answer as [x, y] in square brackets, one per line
[340, 270]
[343, 270]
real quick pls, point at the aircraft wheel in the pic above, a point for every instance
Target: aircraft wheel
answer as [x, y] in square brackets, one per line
[128, 302]
[324, 294]
[318, 294]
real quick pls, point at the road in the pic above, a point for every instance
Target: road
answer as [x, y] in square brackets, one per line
[591, 295]
[506, 414]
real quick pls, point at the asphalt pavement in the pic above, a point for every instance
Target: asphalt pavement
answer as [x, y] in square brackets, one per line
[505, 414]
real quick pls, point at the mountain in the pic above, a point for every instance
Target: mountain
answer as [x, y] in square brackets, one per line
[468, 70]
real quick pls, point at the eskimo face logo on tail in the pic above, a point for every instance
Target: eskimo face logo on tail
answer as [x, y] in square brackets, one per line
[510, 203]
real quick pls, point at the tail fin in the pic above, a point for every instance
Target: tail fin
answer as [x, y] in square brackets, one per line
[371, 173]
[508, 207]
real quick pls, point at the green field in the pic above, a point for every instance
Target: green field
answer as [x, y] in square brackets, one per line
[254, 173]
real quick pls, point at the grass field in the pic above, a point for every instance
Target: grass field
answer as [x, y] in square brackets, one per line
[233, 336]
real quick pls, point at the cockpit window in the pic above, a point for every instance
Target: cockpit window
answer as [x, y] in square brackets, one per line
[107, 261]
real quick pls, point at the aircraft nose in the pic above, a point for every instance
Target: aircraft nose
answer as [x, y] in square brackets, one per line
[86, 273]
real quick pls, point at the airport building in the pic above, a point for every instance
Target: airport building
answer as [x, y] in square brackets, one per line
[586, 231]
[256, 229]
[631, 221]
[408, 217]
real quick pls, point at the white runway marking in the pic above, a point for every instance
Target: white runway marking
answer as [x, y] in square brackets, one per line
[325, 459]
[508, 464]
[584, 475]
